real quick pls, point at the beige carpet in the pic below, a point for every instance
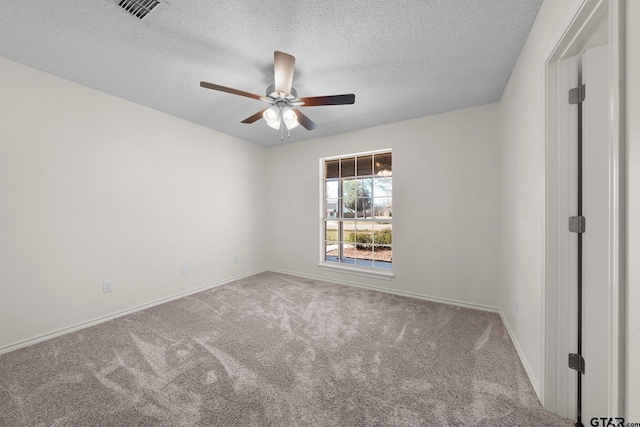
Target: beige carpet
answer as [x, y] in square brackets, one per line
[276, 350]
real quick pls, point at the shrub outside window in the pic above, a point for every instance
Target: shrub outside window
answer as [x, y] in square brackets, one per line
[357, 219]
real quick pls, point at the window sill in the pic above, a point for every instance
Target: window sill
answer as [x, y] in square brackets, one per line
[358, 271]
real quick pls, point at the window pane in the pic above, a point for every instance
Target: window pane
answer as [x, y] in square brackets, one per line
[331, 189]
[364, 244]
[350, 238]
[363, 207]
[365, 165]
[365, 187]
[357, 198]
[382, 164]
[382, 207]
[383, 256]
[363, 250]
[382, 233]
[349, 188]
[347, 211]
[348, 233]
[382, 248]
[331, 231]
[331, 208]
[331, 251]
[382, 187]
[332, 169]
[364, 236]
[349, 198]
[364, 202]
[331, 241]
[348, 167]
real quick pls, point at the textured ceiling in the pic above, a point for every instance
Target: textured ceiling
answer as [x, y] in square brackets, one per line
[402, 59]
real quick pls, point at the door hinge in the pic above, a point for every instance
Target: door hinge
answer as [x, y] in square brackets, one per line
[577, 94]
[577, 224]
[576, 362]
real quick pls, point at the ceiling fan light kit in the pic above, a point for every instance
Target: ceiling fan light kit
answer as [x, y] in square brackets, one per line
[272, 116]
[282, 96]
[289, 118]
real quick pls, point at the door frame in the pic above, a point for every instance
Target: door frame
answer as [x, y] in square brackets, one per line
[557, 394]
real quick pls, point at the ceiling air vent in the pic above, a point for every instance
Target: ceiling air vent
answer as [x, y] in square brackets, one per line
[138, 8]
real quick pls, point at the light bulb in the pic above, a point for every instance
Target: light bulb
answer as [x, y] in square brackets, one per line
[272, 117]
[289, 117]
[275, 125]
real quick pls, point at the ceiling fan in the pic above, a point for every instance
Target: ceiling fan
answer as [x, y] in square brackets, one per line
[282, 97]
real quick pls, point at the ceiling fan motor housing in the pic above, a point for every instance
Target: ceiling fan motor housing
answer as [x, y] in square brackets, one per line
[271, 92]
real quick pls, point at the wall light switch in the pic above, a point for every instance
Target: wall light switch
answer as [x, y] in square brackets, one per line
[185, 269]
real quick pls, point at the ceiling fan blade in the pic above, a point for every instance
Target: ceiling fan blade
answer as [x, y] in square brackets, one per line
[257, 116]
[229, 90]
[329, 100]
[283, 66]
[305, 121]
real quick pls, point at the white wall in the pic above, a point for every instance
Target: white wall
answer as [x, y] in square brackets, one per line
[522, 167]
[445, 179]
[93, 187]
[633, 209]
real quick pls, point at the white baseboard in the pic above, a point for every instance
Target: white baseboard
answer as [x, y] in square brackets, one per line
[92, 322]
[525, 363]
[527, 367]
[392, 291]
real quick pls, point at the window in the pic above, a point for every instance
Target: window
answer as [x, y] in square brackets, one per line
[357, 219]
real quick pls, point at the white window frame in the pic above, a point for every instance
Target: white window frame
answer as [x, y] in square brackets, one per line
[341, 267]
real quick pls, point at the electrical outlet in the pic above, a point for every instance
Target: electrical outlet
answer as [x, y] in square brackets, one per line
[107, 286]
[301, 257]
[517, 306]
[185, 269]
[235, 259]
